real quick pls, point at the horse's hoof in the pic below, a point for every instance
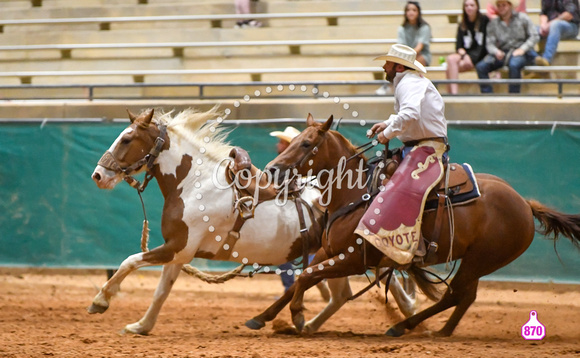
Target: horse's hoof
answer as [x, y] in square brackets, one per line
[440, 333]
[299, 322]
[394, 332]
[134, 328]
[94, 308]
[308, 330]
[255, 324]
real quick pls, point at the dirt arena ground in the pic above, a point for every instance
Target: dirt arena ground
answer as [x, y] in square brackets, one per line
[42, 313]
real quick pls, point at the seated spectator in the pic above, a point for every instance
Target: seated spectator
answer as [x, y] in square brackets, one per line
[558, 20]
[243, 7]
[415, 33]
[470, 43]
[511, 38]
[492, 9]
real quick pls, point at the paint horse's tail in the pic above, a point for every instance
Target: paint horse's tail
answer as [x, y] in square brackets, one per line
[554, 224]
[192, 271]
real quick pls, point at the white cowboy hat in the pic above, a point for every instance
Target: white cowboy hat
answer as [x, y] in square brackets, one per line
[403, 55]
[515, 3]
[288, 134]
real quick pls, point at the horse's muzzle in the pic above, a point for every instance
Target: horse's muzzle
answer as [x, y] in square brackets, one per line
[103, 180]
[277, 173]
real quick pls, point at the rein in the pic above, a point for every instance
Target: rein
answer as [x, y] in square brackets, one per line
[367, 146]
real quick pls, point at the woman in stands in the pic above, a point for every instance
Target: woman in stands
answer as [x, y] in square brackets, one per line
[470, 43]
[415, 33]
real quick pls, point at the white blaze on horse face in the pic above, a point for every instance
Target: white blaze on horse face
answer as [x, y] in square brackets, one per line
[116, 142]
[105, 178]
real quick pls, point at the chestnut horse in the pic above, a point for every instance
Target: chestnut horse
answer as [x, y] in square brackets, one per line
[185, 154]
[489, 232]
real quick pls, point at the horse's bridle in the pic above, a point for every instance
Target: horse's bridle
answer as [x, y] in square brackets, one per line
[365, 147]
[109, 162]
[310, 154]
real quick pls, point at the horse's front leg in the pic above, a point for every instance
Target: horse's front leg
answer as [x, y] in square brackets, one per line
[145, 324]
[158, 256]
[340, 292]
[271, 312]
[405, 297]
[336, 267]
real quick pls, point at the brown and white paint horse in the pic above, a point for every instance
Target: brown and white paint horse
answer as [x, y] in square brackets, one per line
[197, 215]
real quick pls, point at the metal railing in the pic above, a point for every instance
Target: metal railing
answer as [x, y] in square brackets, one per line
[88, 91]
[251, 71]
[219, 17]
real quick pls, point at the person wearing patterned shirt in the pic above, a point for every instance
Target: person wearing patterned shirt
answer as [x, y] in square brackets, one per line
[511, 38]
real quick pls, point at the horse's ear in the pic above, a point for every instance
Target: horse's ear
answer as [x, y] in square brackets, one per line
[132, 117]
[326, 126]
[148, 117]
[310, 120]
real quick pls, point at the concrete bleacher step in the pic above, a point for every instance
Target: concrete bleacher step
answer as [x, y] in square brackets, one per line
[190, 34]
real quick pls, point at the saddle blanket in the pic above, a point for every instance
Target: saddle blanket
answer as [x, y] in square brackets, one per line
[461, 190]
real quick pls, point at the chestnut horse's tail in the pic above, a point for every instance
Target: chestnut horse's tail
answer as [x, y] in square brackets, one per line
[555, 224]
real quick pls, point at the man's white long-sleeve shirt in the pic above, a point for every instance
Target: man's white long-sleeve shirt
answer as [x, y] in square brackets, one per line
[419, 107]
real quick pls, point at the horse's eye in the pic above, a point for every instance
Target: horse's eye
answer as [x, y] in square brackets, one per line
[306, 144]
[125, 141]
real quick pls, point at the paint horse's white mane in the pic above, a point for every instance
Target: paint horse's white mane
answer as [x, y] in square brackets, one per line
[199, 128]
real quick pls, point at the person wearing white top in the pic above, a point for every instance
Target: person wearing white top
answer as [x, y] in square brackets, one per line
[419, 106]
[393, 221]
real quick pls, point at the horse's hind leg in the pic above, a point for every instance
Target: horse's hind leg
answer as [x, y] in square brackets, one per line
[340, 293]
[145, 324]
[462, 293]
[466, 295]
[412, 322]
[405, 295]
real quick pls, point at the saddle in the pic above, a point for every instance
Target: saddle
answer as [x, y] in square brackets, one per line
[244, 176]
[457, 187]
[462, 187]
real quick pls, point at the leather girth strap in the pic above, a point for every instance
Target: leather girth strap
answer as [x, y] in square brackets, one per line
[433, 245]
[231, 239]
[303, 232]
[234, 233]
